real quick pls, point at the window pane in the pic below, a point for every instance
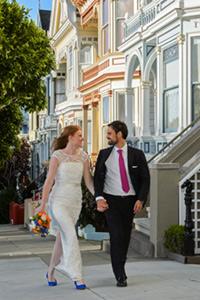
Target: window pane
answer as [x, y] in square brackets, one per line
[105, 12]
[106, 110]
[105, 40]
[171, 76]
[124, 6]
[170, 54]
[120, 32]
[71, 79]
[171, 110]
[196, 59]
[85, 54]
[196, 101]
[121, 107]
[60, 90]
[71, 60]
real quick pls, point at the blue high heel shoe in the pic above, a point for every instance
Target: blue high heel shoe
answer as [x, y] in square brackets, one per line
[80, 287]
[51, 283]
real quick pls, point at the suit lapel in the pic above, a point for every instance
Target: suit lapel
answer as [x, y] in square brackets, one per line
[107, 153]
[130, 158]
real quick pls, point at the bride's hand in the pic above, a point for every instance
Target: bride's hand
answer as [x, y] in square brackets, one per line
[39, 209]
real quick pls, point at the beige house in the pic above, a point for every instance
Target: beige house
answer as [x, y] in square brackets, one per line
[102, 87]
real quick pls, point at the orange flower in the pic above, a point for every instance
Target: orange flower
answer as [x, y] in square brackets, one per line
[40, 214]
[40, 222]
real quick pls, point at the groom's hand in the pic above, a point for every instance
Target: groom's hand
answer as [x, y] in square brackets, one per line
[102, 205]
[138, 206]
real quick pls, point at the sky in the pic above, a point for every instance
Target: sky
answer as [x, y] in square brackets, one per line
[33, 4]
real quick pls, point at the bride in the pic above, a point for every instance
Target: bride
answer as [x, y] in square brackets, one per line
[67, 166]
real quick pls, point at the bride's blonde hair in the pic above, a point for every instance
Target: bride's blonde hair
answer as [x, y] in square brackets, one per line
[62, 140]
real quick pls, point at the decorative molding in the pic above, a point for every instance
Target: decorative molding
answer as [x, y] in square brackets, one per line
[93, 72]
[146, 85]
[180, 39]
[88, 11]
[62, 32]
[158, 50]
[70, 116]
[129, 91]
[88, 97]
[94, 104]
[118, 61]
[85, 107]
[100, 79]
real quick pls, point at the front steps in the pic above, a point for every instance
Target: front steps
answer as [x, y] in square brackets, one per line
[140, 242]
[142, 225]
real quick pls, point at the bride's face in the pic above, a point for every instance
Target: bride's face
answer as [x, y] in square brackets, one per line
[77, 138]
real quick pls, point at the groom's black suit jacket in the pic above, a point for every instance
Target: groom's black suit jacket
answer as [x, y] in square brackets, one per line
[138, 171]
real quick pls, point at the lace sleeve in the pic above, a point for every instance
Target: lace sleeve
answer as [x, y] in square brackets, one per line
[57, 154]
[85, 156]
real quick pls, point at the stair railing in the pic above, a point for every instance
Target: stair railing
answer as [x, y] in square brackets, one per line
[173, 140]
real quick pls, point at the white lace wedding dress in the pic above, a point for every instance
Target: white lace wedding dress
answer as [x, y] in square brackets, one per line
[65, 204]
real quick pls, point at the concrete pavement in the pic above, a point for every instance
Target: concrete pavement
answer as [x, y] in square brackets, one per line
[24, 263]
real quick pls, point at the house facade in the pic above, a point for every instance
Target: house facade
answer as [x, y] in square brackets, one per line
[162, 39]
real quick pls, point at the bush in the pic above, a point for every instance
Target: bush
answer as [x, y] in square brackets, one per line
[6, 197]
[174, 238]
[89, 213]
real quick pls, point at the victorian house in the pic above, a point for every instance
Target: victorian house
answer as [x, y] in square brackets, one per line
[75, 49]
[102, 83]
[162, 40]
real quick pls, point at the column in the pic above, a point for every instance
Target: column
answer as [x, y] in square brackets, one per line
[164, 191]
[146, 86]
[180, 39]
[85, 123]
[159, 105]
[129, 92]
[95, 130]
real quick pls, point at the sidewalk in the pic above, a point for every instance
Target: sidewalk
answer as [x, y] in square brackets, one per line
[24, 263]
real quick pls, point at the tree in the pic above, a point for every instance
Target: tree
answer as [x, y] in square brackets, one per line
[25, 58]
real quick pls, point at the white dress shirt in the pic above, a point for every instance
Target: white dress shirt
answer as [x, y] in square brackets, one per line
[112, 184]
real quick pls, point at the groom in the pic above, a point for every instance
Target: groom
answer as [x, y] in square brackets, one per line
[121, 182]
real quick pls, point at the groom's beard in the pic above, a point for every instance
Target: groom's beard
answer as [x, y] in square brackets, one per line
[113, 142]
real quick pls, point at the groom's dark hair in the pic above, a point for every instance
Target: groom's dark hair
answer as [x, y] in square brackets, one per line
[119, 126]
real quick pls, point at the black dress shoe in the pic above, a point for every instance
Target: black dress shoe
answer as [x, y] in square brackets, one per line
[121, 281]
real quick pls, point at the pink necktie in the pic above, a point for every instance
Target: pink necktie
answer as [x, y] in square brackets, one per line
[124, 179]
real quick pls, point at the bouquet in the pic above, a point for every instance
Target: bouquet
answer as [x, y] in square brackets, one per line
[40, 224]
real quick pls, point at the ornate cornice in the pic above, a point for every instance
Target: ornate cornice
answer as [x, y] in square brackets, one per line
[62, 32]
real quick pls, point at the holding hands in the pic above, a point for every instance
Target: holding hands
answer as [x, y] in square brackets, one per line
[102, 205]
